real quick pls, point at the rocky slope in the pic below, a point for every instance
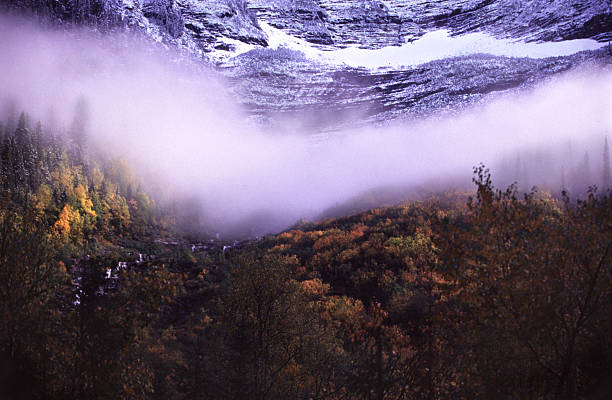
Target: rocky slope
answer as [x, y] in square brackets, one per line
[218, 24]
[374, 24]
[276, 77]
[325, 98]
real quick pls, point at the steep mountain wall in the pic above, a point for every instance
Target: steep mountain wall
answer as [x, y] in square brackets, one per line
[205, 25]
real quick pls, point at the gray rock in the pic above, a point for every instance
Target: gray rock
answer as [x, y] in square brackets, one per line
[375, 23]
[300, 18]
[324, 98]
[281, 85]
[533, 20]
[210, 21]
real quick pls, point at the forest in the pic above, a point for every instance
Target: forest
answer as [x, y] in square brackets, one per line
[483, 293]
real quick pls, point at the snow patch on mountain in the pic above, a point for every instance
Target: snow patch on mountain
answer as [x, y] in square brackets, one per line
[439, 44]
[434, 45]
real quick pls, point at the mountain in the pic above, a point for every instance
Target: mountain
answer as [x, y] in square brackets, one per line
[374, 24]
[286, 59]
[207, 24]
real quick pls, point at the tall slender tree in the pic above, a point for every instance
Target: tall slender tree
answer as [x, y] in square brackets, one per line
[563, 185]
[605, 184]
[78, 132]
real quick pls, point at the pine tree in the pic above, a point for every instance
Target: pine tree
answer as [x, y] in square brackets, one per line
[563, 186]
[41, 171]
[78, 133]
[605, 184]
[10, 110]
[3, 161]
[25, 156]
[582, 178]
[6, 166]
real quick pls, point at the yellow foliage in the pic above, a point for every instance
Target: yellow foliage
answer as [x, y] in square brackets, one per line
[69, 221]
[121, 172]
[84, 201]
[62, 225]
[44, 198]
[65, 179]
[97, 177]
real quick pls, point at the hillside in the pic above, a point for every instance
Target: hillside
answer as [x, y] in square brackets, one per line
[452, 297]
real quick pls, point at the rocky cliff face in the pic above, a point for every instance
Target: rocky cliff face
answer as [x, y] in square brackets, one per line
[327, 99]
[536, 20]
[207, 24]
[200, 26]
[207, 21]
[375, 24]
[275, 81]
[299, 18]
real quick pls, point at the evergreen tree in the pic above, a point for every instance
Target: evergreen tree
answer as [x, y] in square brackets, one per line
[25, 153]
[586, 170]
[563, 185]
[10, 112]
[78, 133]
[3, 158]
[581, 177]
[605, 184]
[5, 162]
[41, 169]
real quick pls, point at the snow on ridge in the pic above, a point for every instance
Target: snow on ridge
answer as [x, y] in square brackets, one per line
[439, 44]
[434, 45]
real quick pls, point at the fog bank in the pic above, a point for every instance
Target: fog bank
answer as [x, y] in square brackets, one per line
[174, 120]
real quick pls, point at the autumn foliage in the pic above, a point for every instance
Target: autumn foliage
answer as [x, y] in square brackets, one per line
[491, 294]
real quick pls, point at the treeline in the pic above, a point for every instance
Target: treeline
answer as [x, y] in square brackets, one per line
[572, 167]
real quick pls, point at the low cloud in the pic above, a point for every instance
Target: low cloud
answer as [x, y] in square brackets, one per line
[173, 119]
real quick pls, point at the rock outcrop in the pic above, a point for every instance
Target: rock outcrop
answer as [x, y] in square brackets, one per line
[375, 23]
[205, 25]
[210, 21]
[300, 18]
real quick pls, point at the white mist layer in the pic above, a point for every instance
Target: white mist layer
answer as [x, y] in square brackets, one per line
[435, 45]
[176, 124]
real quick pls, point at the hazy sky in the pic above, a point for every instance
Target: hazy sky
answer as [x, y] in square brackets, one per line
[176, 121]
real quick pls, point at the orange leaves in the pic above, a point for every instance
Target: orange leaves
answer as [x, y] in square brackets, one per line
[330, 239]
[314, 287]
[67, 218]
[347, 312]
[358, 230]
[203, 273]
